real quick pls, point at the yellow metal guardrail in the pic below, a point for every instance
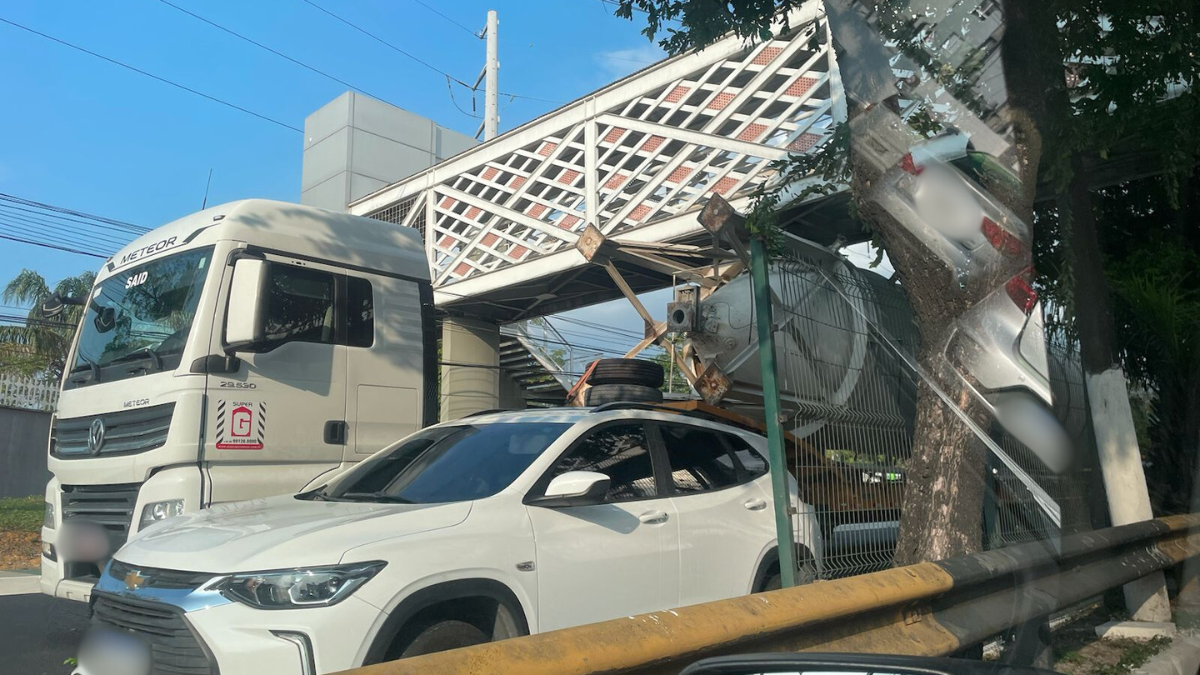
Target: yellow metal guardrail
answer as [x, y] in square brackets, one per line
[928, 609]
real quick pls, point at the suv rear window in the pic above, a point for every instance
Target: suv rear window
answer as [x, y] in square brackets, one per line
[700, 459]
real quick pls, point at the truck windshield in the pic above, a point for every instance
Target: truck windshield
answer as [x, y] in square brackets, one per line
[138, 321]
[446, 464]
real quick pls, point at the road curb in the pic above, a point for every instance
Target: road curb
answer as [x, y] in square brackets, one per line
[19, 583]
[1181, 658]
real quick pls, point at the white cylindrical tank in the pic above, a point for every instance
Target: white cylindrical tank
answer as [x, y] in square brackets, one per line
[832, 365]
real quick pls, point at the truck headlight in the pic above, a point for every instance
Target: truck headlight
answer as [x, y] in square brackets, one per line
[304, 587]
[48, 517]
[157, 511]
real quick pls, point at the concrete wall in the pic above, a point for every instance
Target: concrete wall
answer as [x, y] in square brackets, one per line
[23, 438]
[355, 145]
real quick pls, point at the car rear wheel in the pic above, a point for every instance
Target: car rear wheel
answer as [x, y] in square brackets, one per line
[805, 575]
[444, 635]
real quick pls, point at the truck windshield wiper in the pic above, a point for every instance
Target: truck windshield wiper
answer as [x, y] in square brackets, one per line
[316, 495]
[145, 353]
[92, 369]
[373, 497]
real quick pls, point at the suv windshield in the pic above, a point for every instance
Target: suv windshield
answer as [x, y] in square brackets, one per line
[138, 321]
[446, 464]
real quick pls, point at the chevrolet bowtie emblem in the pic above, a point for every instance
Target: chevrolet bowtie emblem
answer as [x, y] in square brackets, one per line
[134, 581]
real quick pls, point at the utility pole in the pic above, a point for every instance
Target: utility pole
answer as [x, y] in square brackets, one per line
[491, 115]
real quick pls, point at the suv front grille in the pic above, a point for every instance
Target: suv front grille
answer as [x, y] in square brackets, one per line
[160, 578]
[126, 432]
[110, 506]
[174, 648]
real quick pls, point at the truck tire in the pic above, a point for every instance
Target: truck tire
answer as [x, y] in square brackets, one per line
[611, 393]
[627, 371]
[444, 635]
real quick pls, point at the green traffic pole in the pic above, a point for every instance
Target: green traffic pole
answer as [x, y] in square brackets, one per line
[766, 358]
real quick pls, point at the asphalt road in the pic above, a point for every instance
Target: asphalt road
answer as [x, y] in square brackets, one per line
[37, 633]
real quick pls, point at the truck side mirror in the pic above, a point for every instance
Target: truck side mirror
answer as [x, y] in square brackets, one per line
[56, 304]
[246, 314]
[53, 306]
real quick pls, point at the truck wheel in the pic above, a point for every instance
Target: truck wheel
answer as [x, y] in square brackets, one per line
[627, 371]
[444, 635]
[600, 394]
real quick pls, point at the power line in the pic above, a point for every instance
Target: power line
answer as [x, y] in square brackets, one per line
[20, 230]
[45, 245]
[164, 80]
[100, 232]
[23, 229]
[59, 209]
[435, 11]
[273, 51]
[428, 65]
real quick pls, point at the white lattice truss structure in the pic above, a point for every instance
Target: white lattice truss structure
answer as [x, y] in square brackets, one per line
[636, 159]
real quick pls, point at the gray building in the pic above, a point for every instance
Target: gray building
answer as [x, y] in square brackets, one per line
[355, 145]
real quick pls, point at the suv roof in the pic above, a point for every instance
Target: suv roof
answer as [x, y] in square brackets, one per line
[572, 415]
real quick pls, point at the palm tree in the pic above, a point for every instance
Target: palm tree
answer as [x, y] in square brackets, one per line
[40, 346]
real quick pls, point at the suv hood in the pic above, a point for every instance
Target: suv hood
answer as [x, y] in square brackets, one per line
[279, 532]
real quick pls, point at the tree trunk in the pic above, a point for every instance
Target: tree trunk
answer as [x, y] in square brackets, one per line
[941, 515]
[942, 511]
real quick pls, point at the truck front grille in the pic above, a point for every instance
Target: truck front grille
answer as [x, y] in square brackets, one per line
[110, 506]
[174, 648]
[124, 433]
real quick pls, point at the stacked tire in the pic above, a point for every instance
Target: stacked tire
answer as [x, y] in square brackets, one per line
[632, 380]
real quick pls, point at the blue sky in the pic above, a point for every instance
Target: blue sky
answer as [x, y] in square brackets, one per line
[91, 136]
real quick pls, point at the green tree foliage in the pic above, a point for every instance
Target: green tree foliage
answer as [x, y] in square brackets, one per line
[40, 347]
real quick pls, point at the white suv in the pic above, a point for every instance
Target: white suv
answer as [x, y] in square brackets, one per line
[479, 529]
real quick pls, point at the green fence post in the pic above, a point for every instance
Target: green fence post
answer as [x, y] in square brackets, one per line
[766, 358]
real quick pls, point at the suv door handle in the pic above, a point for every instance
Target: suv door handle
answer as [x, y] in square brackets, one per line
[755, 505]
[653, 517]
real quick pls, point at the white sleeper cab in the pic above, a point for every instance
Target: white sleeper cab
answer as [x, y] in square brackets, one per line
[240, 352]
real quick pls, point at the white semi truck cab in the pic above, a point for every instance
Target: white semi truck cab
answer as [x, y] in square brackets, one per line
[242, 351]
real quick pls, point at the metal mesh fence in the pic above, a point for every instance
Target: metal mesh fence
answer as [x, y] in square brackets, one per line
[399, 211]
[851, 405]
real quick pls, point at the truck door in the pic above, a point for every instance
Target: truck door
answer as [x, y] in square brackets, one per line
[385, 369]
[279, 419]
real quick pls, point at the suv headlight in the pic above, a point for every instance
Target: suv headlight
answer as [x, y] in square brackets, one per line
[157, 511]
[303, 587]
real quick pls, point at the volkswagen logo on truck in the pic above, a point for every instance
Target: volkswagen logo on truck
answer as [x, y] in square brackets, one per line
[95, 439]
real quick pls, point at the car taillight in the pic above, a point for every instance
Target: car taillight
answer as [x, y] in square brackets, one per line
[909, 166]
[1001, 239]
[1020, 290]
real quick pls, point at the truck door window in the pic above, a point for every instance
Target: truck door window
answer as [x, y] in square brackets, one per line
[620, 452]
[360, 313]
[300, 306]
[700, 461]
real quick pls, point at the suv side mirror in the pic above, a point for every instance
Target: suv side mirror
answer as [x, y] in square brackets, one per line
[574, 488]
[246, 314]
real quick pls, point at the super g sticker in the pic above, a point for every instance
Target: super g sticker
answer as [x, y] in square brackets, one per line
[241, 425]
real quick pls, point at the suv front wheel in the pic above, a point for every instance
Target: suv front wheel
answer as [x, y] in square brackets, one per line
[444, 635]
